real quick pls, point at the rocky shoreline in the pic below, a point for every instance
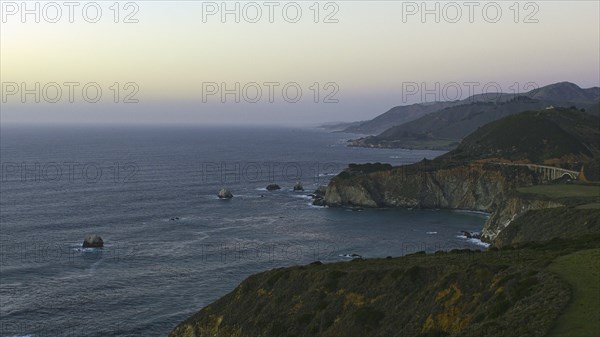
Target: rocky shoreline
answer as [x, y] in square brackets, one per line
[482, 187]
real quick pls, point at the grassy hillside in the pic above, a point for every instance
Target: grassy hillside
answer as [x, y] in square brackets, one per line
[567, 194]
[555, 136]
[582, 271]
[508, 292]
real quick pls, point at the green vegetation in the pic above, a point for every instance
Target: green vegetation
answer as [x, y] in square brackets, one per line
[558, 191]
[548, 224]
[593, 205]
[419, 143]
[500, 292]
[368, 318]
[582, 316]
[362, 169]
[560, 137]
[369, 168]
[591, 169]
[581, 196]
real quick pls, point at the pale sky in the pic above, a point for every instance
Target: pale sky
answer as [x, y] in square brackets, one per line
[179, 56]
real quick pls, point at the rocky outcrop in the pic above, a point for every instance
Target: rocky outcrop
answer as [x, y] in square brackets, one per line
[508, 211]
[475, 186]
[273, 187]
[93, 241]
[471, 235]
[225, 194]
[320, 191]
[298, 187]
[319, 196]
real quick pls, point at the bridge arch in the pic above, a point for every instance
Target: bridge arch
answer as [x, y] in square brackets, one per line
[568, 175]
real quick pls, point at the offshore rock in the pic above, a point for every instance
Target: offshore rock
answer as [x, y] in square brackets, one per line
[93, 241]
[273, 187]
[225, 194]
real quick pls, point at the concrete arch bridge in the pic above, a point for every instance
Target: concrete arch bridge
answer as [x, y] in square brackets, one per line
[548, 173]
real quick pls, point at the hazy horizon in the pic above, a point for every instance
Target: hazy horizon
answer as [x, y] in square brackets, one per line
[173, 64]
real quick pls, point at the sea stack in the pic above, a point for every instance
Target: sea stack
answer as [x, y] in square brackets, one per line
[298, 187]
[225, 194]
[93, 241]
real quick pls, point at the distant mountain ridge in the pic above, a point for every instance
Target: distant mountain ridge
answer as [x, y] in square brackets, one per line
[406, 113]
[565, 91]
[443, 129]
[396, 116]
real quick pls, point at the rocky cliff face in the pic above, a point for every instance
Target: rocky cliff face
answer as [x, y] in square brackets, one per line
[474, 186]
[509, 210]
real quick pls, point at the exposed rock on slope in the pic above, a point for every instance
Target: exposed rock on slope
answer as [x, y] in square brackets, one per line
[510, 210]
[548, 224]
[476, 186]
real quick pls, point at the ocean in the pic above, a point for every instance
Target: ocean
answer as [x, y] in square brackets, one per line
[171, 246]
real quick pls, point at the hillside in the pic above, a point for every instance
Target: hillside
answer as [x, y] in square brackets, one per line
[536, 280]
[445, 128]
[396, 116]
[338, 126]
[476, 175]
[558, 137]
[565, 92]
[406, 113]
[497, 293]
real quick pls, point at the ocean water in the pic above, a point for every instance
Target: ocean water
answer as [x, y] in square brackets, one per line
[171, 246]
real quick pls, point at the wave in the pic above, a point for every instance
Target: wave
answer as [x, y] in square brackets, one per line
[302, 196]
[478, 242]
[474, 241]
[351, 256]
[310, 204]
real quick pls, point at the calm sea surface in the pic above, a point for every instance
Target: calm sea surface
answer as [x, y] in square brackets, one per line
[171, 247]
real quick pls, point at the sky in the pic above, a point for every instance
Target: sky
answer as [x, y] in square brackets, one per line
[280, 63]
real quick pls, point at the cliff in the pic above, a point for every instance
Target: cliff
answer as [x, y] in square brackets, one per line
[510, 210]
[548, 224]
[474, 186]
[467, 178]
